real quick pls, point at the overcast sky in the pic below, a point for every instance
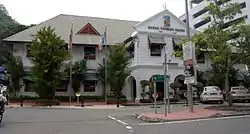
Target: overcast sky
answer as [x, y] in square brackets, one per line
[36, 11]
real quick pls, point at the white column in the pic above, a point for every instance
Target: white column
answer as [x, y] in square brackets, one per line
[138, 90]
[136, 51]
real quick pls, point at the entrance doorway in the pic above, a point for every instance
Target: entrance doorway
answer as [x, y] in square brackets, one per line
[160, 90]
[132, 88]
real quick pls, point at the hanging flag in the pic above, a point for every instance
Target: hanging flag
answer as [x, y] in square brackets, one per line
[102, 40]
[70, 37]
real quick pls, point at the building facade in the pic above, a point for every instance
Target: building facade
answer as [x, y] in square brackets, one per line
[198, 13]
[147, 42]
[197, 20]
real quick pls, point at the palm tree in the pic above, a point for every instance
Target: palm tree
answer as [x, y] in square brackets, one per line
[78, 70]
[118, 62]
[101, 75]
[14, 66]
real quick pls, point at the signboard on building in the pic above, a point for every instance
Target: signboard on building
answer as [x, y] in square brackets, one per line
[166, 26]
[167, 20]
[188, 53]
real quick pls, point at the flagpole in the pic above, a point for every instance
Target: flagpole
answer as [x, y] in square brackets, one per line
[106, 65]
[70, 68]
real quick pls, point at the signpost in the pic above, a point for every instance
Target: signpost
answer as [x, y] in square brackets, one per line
[155, 95]
[188, 57]
[189, 60]
[158, 78]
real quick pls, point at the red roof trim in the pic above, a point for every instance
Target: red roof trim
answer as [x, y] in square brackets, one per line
[88, 29]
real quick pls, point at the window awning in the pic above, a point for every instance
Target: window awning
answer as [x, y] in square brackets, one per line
[27, 78]
[91, 75]
[156, 40]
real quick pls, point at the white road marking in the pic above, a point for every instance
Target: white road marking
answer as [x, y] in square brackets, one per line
[130, 129]
[196, 120]
[113, 118]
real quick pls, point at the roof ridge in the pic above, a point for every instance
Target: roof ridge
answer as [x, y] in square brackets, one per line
[99, 18]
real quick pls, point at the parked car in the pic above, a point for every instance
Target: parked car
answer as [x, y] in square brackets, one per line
[211, 93]
[240, 93]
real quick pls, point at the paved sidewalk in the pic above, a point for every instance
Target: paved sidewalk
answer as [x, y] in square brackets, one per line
[181, 115]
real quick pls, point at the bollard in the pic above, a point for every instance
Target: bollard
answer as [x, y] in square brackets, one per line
[186, 101]
[21, 101]
[82, 102]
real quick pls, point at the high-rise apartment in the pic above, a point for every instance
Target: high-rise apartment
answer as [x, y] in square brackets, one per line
[198, 13]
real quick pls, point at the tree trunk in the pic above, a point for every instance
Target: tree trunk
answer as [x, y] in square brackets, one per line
[118, 101]
[118, 94]
[228, 93]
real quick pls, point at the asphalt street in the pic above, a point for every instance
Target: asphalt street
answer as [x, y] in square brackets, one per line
[106, 121]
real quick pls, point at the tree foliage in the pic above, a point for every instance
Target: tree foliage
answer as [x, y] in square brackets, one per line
[8, 26]
[118, 71]
[48, 52]
[79, 69]
[101, 75]
[216, 77]
[15, 69]
[223, 40]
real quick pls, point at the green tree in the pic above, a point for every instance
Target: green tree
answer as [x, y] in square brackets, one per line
[78, 70]
[48, 52]
[220, 40]
[216, 77]
[101, 75]
[14, 66]
[118, 62]
[8, 27]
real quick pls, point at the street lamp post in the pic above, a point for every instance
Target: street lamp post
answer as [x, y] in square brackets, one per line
[189, 40]
[166, 87]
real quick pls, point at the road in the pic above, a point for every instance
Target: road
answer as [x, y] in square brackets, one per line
[109, 121]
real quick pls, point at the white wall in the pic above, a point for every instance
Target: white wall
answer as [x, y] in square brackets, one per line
[142, 52]
[19, 49]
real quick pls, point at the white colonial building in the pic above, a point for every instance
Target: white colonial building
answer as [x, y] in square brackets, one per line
[147, 41]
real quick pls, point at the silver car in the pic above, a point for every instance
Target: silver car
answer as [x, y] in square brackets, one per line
[211, 93]
[240, 93]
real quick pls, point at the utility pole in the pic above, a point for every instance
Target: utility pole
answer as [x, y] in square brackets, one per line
[165, 83]
[190, 95]
[166, 87]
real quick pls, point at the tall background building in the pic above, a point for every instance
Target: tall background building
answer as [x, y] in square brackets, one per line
[198, 13]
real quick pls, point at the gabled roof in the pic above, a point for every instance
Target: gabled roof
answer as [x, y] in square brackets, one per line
[117, 30]
[89, 29]
[161, 13]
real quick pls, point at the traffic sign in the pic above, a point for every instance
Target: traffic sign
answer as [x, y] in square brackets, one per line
[155, 95]
[159, 78]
